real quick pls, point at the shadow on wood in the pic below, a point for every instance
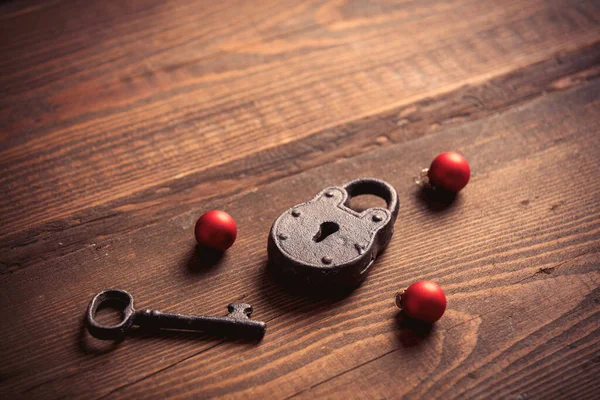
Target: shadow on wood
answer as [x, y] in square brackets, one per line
[203, 259]
[437, 200]
[139, 333]
[412, 332]
[89, 345]
[299, 288]
[285, 296]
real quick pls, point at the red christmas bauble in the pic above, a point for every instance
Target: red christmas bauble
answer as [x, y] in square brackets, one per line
[449, 171]
[423, 300]
[216, 229]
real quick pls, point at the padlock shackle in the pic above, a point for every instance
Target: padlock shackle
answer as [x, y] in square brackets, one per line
[374, 187]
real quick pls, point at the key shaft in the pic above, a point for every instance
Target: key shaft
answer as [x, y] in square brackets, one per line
[236, 324]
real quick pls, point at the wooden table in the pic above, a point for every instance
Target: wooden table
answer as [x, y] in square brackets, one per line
[123, 121]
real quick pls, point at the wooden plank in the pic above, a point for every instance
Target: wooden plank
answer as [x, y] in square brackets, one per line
[517, 254]
[531, 345]
[65, 235]
[134, 95]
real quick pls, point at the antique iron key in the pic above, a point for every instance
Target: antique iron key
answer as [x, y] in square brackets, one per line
[236, 324]
[324, 242]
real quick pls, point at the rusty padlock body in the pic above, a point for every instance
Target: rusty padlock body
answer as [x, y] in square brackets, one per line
[324, 242]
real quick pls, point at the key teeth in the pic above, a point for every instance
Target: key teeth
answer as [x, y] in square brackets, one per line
[239, 310]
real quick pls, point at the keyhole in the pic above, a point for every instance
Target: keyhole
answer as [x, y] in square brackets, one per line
[326, 229]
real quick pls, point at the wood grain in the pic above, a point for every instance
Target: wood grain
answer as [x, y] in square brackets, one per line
[519, 263]
[121, 122]
[64, 235]
[133, 95]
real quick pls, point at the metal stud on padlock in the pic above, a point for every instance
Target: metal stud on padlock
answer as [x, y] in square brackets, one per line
[326, 243]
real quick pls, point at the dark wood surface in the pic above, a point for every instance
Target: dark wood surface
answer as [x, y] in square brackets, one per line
[123, 121]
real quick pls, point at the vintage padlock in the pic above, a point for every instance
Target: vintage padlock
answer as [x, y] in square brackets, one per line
[324, 242]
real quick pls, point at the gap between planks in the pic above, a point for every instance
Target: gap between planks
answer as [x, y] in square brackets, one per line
[396, 125]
